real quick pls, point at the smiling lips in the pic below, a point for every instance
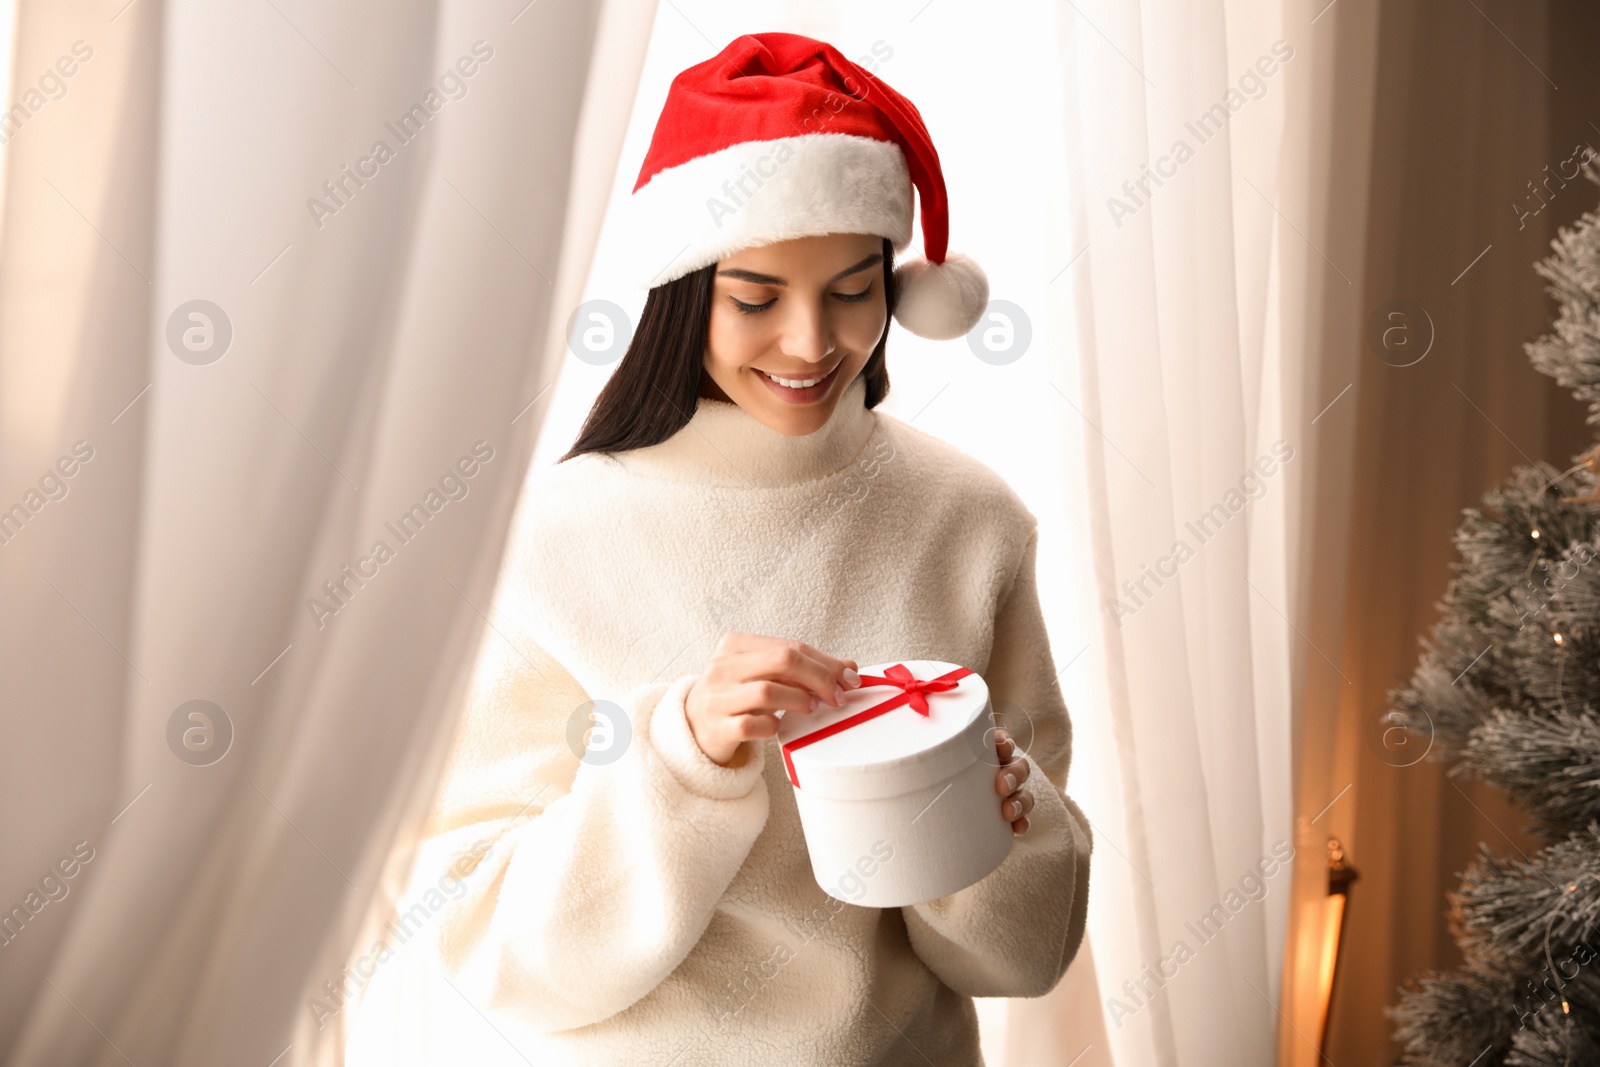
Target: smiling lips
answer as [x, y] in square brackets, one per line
[799, 390]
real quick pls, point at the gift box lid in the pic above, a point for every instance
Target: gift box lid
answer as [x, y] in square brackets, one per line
[879, 743]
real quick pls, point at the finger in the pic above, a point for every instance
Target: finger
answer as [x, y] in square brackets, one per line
[731, 643]
[764, 665]
[1021, 803]
[730, 731]
[790, 663]
[1002, 746]
[1009, 778]
[754, 726]
[734, 643]
[763, 695]
[1017, 805]
[835, 666]
[1021, 768]
[728, 699]
[820, 673]
[1019, 827]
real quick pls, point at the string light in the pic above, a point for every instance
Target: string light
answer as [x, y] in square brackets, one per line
[1560, 640]
[1536, 533]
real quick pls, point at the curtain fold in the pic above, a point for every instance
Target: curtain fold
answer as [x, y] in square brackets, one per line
[1205, 274]
[366, 371]
[1332, 131]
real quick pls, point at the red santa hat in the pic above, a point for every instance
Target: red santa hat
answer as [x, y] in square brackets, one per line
[780, 136]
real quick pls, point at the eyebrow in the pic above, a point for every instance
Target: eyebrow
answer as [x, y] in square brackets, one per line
[769, 279]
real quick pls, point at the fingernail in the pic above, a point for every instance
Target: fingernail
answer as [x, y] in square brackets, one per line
[852, 680]
[838, 694]
[1011, 782]
[816, 702]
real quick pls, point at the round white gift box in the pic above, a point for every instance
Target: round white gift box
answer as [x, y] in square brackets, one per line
[899, 807]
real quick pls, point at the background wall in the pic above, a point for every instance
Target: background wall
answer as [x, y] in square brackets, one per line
[1473, 101]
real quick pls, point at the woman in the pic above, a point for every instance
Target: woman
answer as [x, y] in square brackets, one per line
[734, 533]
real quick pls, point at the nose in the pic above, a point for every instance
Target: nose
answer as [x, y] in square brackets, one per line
[807, 333]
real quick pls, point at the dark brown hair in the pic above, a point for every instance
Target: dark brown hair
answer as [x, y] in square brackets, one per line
[654, 390]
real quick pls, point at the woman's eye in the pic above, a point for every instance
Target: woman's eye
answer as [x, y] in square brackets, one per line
[754, 309]
[751, 309]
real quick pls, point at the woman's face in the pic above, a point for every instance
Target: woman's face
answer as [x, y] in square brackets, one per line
[807, 310]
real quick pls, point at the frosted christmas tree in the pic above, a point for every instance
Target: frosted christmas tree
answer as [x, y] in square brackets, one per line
[1508, 691]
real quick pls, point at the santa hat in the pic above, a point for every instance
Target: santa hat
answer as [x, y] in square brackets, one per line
[780, 136]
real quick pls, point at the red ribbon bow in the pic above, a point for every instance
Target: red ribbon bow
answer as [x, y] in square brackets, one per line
[900, 675]
[913, 691]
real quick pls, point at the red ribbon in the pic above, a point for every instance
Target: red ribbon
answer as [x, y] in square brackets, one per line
[912, 691]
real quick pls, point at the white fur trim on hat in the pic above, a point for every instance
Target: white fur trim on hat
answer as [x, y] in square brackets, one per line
[943, 301]
[759, 192]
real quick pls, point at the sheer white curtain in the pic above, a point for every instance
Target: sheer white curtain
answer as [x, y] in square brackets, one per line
[1137, 371]
[374, 335]
[1199, 139]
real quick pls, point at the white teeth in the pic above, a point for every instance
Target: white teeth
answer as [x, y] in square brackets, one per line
[795, 383]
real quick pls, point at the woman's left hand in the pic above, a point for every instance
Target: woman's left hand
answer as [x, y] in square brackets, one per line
[1016, 801]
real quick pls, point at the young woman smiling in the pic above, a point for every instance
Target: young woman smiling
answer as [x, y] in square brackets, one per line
[793, 336]
[734, 533]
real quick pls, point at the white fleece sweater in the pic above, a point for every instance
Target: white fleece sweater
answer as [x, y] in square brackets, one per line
[661, 909]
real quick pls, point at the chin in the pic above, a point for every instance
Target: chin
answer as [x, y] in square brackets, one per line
[792, 423]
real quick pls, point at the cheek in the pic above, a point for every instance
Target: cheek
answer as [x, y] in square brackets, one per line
[861, 327]
[732, 340]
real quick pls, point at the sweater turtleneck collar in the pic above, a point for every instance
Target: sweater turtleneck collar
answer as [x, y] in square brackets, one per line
[724, 445]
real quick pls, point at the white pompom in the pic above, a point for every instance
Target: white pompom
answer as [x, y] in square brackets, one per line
[941, 302]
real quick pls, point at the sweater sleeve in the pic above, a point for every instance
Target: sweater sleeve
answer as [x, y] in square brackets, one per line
[1013, 933]
[586, 881]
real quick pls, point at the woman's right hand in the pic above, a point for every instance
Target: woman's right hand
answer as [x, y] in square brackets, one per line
[750, 677]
